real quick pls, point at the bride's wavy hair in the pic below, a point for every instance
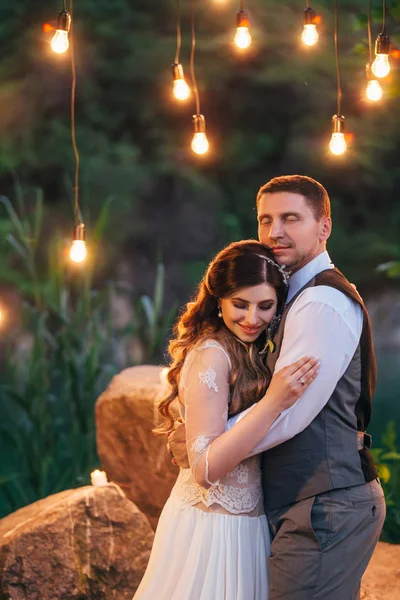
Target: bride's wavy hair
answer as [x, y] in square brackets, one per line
[239, 265]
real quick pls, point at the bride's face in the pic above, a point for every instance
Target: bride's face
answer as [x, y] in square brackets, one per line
[249, 310]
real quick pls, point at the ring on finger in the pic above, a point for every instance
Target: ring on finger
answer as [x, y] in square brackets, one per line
[302, 381]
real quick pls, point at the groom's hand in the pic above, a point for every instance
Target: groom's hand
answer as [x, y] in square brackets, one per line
[177, 445]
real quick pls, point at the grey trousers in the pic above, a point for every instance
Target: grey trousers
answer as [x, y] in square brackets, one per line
[321, 546]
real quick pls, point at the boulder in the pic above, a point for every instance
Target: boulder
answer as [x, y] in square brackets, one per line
[129, 452]
[91, 542]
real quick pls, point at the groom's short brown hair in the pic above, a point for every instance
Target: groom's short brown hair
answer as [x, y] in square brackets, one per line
[315, 194]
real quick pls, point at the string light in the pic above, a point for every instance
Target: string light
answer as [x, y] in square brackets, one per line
[310, 34]
[381, 66]
[338, 144]
[78, 250]
[181, 89]
[60, 42]
[373, 91]
[200, 143]
[242, 36]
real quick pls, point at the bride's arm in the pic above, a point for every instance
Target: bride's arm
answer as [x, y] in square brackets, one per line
[212, 452]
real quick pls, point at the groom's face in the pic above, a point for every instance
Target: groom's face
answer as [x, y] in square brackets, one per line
[288, 225]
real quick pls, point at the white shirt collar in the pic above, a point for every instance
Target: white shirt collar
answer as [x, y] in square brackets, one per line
[303, 275]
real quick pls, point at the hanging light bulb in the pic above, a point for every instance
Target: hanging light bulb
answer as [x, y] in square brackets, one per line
[78, 251]
[181, 88]
[338, 144]
[59, 42]
[242, 37]
[374, 91]
[381, 67]
[200, 143]
[310, 34]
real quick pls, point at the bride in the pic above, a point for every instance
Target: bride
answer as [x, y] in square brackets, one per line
[212, 539]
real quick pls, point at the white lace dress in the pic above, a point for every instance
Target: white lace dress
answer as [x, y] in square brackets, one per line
[210, 544]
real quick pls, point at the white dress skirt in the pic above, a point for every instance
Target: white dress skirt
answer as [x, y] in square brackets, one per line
[200, 555]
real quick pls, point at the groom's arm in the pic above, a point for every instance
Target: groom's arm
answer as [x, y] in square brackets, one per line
[323, 323]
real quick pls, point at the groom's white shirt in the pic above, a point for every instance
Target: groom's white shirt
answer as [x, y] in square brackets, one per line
[324, 323]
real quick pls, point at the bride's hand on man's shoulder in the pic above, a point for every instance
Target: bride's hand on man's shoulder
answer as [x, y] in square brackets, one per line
[289, 383]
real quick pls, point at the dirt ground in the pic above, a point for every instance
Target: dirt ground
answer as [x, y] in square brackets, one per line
[382, 578]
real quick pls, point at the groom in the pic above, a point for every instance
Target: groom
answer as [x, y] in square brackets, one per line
[323, 500]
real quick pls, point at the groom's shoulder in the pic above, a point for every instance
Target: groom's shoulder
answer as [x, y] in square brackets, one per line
[325, 295]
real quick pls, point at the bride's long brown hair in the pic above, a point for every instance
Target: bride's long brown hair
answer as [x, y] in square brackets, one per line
[241, 264]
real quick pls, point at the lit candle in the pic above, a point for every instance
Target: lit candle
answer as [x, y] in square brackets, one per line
[98, 478]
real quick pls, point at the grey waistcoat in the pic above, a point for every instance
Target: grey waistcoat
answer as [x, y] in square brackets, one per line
[325, 455]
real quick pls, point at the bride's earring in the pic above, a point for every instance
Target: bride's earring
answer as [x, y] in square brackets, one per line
[219, 312]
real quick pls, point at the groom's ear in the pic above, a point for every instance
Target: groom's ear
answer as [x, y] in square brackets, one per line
[325, 228]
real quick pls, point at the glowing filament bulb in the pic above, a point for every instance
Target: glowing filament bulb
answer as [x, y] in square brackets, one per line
[310, 34]
[381, 67]
[200, 143]
[338, 144]
[60, 42]
[78, 251]
[181, 89]
[374, 91]
[242, 37]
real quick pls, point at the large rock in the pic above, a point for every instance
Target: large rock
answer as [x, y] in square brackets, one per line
[129, 452]
[382, 577]
[87, 543]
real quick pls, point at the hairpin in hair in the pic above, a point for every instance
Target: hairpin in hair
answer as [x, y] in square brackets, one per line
[281, 268]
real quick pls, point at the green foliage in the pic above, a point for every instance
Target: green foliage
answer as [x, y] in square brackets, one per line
[387, 460]
[46, 403]
[153, 324]
[391, 268]
[57, 363]
[268, 112]
[58, 360]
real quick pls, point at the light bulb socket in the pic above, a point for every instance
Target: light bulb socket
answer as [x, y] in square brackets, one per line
[199, 124]
[79, 232]
[242, 19]
[309, 16]
[382, 44]
[64, 21]
[337, 124]
[177, 71]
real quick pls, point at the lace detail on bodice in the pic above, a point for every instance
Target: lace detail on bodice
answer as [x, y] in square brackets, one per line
[241, 472]
[235, 499]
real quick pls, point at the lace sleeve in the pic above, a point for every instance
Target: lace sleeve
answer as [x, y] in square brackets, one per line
[206, 397]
